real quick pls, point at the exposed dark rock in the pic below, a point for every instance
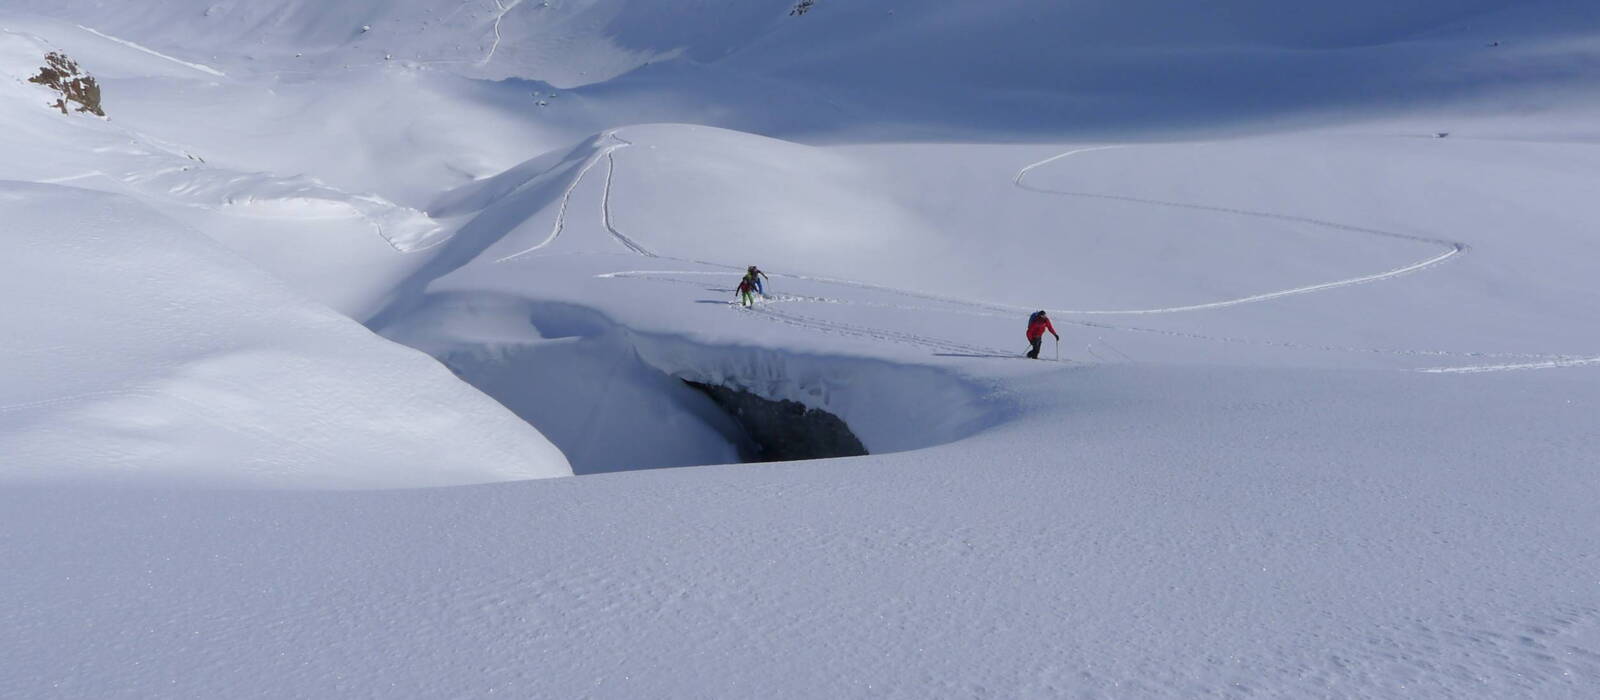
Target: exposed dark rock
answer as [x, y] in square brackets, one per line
[785, 430]
[76, 87]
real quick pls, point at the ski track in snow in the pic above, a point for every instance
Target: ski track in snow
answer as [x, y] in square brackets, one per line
[196, 66]
[1552, 363]
[875, 333]
[75, 398]
[605, 201]
[504, 8]
[998, 310]
[159, 158]
[985, 310]
[1454, 247]
[566, 200]
[823, 325]
[75, 178]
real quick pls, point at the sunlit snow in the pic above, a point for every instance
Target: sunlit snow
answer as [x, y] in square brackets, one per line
[352, 353]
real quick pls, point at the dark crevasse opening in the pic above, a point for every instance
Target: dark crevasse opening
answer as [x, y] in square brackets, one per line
[613, 399]
[782, 430]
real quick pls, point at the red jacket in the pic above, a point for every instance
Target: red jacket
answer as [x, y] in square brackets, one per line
[1038, 326]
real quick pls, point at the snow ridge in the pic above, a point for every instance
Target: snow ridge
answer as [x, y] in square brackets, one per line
[566, 198]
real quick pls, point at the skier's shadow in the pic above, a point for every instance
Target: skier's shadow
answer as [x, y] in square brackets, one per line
[962, 354]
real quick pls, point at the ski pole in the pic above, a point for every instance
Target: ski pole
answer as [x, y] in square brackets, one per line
[1058, 348]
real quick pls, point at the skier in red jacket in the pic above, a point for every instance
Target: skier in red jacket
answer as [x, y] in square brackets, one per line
[1038, 323]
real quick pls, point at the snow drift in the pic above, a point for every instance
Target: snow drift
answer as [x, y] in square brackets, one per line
[613, 399]
[151, 355]
[1323, 423]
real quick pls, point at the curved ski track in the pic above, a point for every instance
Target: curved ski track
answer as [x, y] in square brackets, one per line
[987, 310]
[1454, 247]
[504, 8]
[992, 309]
[605, 202]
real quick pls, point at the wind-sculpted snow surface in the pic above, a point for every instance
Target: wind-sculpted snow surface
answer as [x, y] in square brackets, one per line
[1312, 534]
[265, 215]
[1322, 424]
[142, 353]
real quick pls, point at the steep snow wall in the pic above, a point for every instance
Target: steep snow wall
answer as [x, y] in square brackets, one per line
[890, 407]
[614, 399]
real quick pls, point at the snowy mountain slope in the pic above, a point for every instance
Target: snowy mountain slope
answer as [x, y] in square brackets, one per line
[614, 412]
[1267, 242]
[860, 216]
[1228, 283]
[932, 67]
[1161, 543]
[368, 123]
[151, 354]
[269, 217]
[1326, 430]
[613, 399]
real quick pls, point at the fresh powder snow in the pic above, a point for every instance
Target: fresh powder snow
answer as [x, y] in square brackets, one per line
[362, 349]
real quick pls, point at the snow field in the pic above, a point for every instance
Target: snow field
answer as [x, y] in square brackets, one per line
[195, 367]
[1177, 564]
[1324, 425]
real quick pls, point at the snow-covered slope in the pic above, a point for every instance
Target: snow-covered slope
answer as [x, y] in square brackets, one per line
[143, 352]
[1323, 275]
[1312, 534]
[879, 69]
